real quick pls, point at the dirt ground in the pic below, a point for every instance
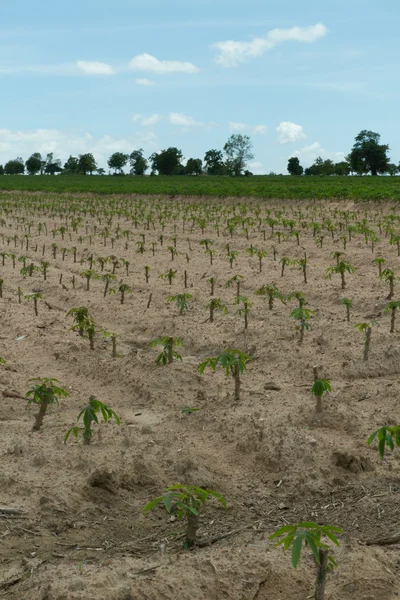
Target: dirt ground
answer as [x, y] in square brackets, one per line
[82, 533]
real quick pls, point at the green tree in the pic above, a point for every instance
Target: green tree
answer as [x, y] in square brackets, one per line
[294, 167]
[52, 165]
[194, 166]
[71, 167]
[214, 162]
[167, 162]
[238, 151]
[44, 393]
[368, 155]
[138, 162]
[118, 161]
[14, 167]
[87, 164]
[34, 164]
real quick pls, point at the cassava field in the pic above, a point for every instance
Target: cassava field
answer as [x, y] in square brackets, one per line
[72, 524]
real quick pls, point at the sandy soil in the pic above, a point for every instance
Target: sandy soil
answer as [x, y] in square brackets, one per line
[82, 533]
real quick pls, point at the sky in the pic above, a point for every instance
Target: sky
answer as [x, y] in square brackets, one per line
[300, 78]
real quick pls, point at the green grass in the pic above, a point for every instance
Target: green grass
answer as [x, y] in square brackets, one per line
[353, 188]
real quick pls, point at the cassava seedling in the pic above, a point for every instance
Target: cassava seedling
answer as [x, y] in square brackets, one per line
[293, 536]
[89, 274]
[1, 287]
[168, 354]
[320, 387]
[272, 293]
[389, 276]
[82, 319]
[169, 275]
[366, 329]
[261, 254]
[107, 278]
[302, 315]
[337, 255]
[233, 254]
[392, 308]
[285, 260]
[348, 304]
[212, 280]
[44, 266]
[44, 393]
[235, 279]
[340, 269]
[181, 301]
[216, 304]
[89, 415]
[386, 436]
[233, 361]
[35, 297]
[146, 273]
[124, 288]
[186, 501]
[379, 261]
[245, 310]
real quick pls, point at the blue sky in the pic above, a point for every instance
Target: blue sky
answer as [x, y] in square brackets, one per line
[301, 78]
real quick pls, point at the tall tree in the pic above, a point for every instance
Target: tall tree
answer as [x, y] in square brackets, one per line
[214, 161]
[14, 167]
[53, 165]
[87, 163]
[194, 166]
[294, 167]
[167, 162]
[368, 155]
[1, 170]
[118, 161]
[138, 162]
[71, 167]
[238, 151]
[34, 164]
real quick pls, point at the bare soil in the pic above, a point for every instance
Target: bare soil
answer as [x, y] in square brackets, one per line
[82, 533]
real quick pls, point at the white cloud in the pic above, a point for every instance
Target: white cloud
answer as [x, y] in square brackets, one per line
[149, 121]
[256, 167]
[182, 120]
[231, 53]
[24, 143]
[146, 82]
[309, 153]
[146, 121]
[94, 68]
[289, 132]
[146, 62]
[242, 127]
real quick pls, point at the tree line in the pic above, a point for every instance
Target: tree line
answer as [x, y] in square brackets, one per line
[367, 157]
[232, 160]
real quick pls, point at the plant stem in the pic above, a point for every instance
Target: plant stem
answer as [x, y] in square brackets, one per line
[192, 527]
[40, 415]
[367, 343]
[321, 575]
[237, 383]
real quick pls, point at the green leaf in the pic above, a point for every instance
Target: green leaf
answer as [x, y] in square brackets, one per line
[296, 551]
[150, 505]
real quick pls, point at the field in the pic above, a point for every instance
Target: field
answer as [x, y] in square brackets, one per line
[79, 530]
[267, 187]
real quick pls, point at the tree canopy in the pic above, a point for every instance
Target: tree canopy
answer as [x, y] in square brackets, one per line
[238, 151]
[368, 155]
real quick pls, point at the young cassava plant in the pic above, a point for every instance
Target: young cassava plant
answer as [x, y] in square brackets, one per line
[168, 353]
[386, 436]
[310, 534]
[392, 307]
[186, 502]
[216, 304]
[366, 329]
[348, 304]
[340, 269]
[44, 393]
[319, 388]
[233, 361]
[89, 415]
[181, 301]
